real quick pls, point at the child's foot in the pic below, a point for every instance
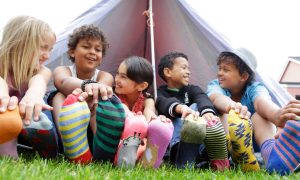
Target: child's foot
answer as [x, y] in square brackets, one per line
[215, 143]
[135, 130]
[240, 131]
[193, 130]
[159, 135]
[110, 117]
[42, 136]
[73, 122]
[285, 156]
[10, 125]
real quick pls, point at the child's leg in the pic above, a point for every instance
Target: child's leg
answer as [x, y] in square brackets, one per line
[42, 136]
[73, 121]
[135, 130]
[240, 131]
[224, 121]
[9, 149]
[159, 135]
[10, 125]
[285, 155]
[215, 142]
[110, 117]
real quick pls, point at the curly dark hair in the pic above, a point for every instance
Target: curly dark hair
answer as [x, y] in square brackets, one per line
[139, 70]
[167, 61]
[89, 32]
[237, 62]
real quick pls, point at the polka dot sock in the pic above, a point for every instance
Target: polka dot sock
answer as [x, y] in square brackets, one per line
[73, 122]
[42, 136]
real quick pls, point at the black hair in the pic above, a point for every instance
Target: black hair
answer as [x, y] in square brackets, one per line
[167, 61]
[237, 62]
[90, 32]
[139, 70]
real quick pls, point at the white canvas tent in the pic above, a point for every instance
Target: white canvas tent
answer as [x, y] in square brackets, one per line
[177, 27]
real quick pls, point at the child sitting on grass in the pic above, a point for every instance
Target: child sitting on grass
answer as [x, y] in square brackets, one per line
[242, 101]
[174, 100]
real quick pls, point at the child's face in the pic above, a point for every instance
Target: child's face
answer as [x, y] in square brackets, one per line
[47, 44]
[124, 85]
[87, 54]
[179, 75]
[229, 76]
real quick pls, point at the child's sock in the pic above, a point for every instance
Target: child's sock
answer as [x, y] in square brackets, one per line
[135, 130]
[228, 142]
[110, 117]
[285, 155]
[215, 143]
[158, 138]
[10, 125]
[193, 130]
[73, 122]
[41, 135]
[240, 131]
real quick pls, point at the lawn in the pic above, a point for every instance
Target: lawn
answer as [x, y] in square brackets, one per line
[33, 167]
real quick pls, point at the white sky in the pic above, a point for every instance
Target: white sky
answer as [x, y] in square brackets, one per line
[269, 28]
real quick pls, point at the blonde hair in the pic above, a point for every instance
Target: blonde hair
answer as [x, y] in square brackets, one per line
[19, 49]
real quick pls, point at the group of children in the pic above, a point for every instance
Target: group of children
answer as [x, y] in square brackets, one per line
[101, 118]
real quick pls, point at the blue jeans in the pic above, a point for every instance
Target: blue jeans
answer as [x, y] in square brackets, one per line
[186, 153]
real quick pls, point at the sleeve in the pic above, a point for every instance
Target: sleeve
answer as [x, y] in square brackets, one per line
[165, 105]
[214, 87]
[203, 102]
[258, 89]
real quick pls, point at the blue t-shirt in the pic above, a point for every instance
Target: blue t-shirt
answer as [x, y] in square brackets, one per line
[252, 91]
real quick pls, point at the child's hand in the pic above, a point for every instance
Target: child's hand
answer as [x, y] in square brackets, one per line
[97, 89]
[184, 110]
[279, 131]
[241, 110]
[290, 112]
[7, 102]
[31, 106]
[210, 117]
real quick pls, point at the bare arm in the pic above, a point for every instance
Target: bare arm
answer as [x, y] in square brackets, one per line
[32, 102]
[268, 110]
[223, 104]
[6, 102]
[149, 110]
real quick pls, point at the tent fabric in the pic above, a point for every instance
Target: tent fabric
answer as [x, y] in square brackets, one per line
[177, 27]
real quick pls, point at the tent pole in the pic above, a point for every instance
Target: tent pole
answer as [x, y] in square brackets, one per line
[152, 48]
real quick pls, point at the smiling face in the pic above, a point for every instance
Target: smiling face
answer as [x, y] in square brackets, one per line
[179, 75]
[124, 85]
[46, 47]
[87, 54]
[229, 76]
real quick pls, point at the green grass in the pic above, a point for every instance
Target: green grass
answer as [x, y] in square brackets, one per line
[33, 167]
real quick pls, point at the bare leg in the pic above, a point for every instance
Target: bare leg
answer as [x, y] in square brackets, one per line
[58, 100]
[263, 129]
[9, 149]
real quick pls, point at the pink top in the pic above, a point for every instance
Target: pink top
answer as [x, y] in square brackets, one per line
[13, 91]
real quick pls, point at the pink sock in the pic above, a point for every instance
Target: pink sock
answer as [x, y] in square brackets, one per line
[135, 130]
[158, 138]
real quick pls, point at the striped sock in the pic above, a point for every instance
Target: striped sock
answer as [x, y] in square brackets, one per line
[135, 130]
[73, 122]
[110, 117]
[42, 136]
[215, 143]
[240, 132]
[158, 138]
[285, 156]
[266, 149]
[10, 125]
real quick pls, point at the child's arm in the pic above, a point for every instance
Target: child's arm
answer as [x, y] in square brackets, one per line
[267, 109]
[149, 110]
[32, 102]
[6, 102]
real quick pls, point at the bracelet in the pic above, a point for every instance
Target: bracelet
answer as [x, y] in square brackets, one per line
[87, 81]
